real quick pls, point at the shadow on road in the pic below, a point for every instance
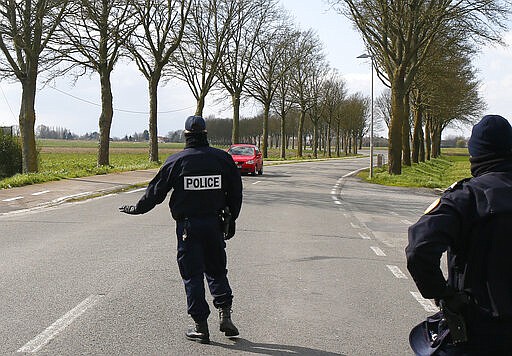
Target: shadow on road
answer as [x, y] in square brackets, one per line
[241, 344]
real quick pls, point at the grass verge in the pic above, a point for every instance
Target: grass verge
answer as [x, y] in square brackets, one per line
[436, 173]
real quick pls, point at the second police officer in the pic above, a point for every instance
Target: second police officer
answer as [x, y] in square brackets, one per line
[473, 222]
[205, 181]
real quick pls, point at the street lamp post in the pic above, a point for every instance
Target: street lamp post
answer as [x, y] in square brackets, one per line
[365, 55]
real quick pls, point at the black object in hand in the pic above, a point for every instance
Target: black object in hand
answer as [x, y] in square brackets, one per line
[128, 209]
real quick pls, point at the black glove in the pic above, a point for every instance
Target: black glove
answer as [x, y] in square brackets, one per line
[231, 230]
[129, 209]
[455, 301]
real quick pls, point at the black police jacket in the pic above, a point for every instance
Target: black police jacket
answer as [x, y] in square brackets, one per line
[450, 224]
[204, 181]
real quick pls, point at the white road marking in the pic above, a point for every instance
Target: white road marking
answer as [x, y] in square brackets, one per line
[333, 191]
[57, 327]
[333, 197]
[337, 202]
[70, 197]
[387, 243]
[364, 236]
[12, 199]
[354, 226]
[377, 251]
[406, 222]
[393, 213]
[42, 192]
[258, 181]
[396, 271]
[427, 304]
[135, 191]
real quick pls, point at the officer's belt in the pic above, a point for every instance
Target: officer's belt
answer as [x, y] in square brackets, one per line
[197, 216]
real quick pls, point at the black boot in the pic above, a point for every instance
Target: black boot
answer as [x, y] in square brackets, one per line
[199, 332]
[226, 325]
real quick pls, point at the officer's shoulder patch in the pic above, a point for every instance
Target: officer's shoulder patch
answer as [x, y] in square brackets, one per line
[457, 185]
[432, 206]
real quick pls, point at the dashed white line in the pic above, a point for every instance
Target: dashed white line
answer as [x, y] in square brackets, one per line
[41, 192]
[354, 226]
[427, 304]
[377, 251]
[258, 181]
[394, 213]
[135, 191]
[58, 200]
[12, 199]
[53, 330]
[396, 271]
[364, 236]
[337, 202]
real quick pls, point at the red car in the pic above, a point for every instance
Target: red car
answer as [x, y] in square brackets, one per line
[248, 158]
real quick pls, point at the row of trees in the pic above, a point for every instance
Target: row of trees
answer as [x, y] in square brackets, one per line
[250, 48]
[422, 50]
[245, 48]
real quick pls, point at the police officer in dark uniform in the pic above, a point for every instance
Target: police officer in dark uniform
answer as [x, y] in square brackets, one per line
[472, 221]
[207, 188]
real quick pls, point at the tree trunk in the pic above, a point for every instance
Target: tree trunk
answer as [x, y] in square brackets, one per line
[27, 119]
[283, 135]
[235, 134]
[329, 140]
[395, 125]
[436, 141]
[105, 121]
[300, 132]
[406, 133]
[264, 143]
[422, 145]
[428, 141]
[315, 140]
[417, 133]
[153, 120]
[200, 105]
[337, 140]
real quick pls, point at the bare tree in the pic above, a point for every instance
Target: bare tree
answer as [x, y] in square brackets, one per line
[399, 34]
[308, 55]
[203, 45]
[26, 27]
[282, 101]
[251, 19]
[333, 93]
[313, 85]
[97, 32]
[268, 69]
[159, 35]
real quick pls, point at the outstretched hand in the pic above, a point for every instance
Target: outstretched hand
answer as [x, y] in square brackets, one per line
[129, 209]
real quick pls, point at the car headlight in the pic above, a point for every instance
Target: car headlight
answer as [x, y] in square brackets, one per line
[250, 161]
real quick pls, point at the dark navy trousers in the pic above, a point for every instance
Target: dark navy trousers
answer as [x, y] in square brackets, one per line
[202, 254]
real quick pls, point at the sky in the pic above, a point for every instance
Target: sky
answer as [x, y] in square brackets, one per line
[77, 106]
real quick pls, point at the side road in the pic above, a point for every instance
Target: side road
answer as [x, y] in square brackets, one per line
[37, 196]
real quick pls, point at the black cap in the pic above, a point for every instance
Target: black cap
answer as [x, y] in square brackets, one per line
[195, 124]
[492, 135]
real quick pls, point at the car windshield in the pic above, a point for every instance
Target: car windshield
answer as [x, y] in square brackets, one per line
[242, 151]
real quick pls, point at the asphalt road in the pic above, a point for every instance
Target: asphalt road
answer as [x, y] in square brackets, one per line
[317, 268]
